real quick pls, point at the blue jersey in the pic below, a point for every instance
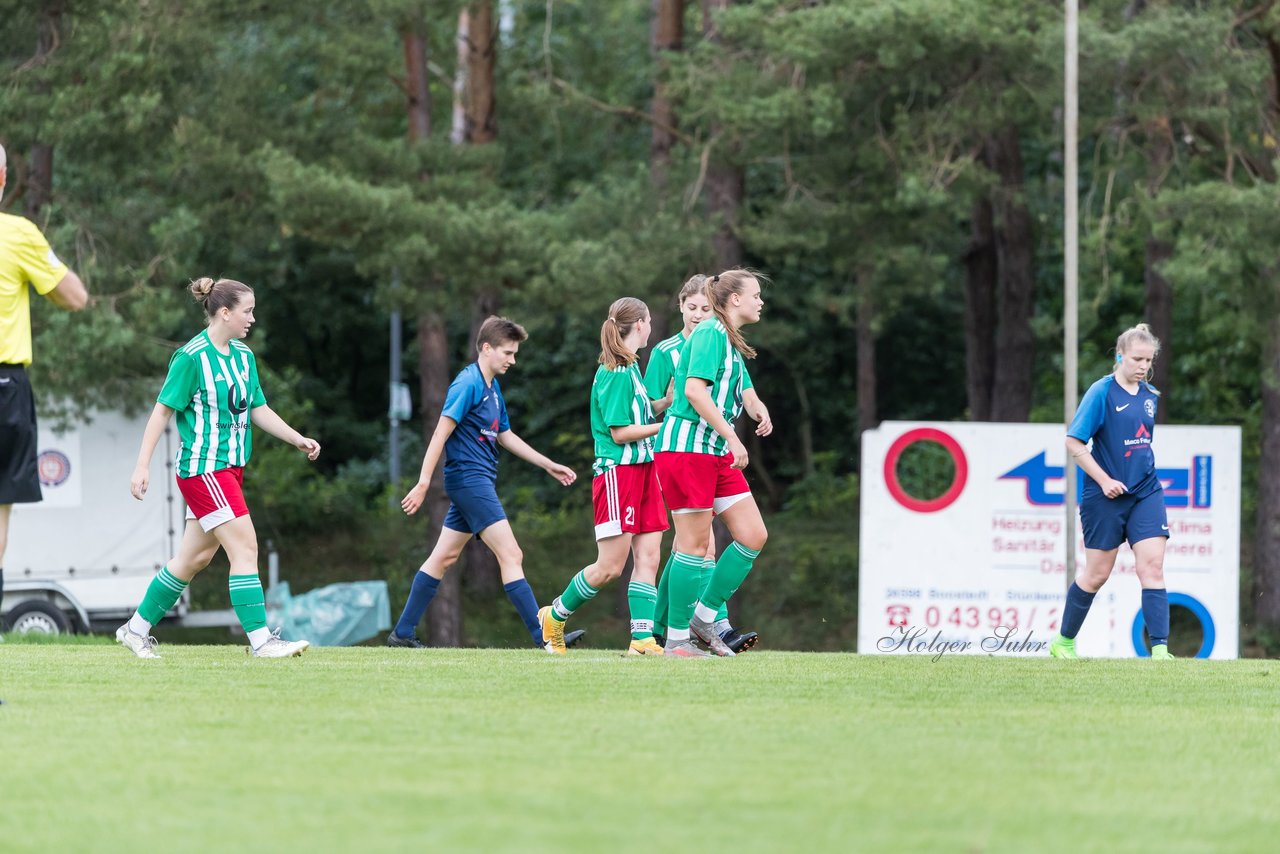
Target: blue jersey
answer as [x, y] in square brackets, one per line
[471, 453]
[1120, 425]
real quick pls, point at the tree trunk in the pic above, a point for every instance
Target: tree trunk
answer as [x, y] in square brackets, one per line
[1015, 345]
[482, 573]
[39, 184]
[1159, 290]
[726, 182]
[865, 349]
[416, 85]
[444, 617]
[458, 130]
[726, 186]
[1266, 566]
[1266, 578]
[1160, 313]
[481, 106]
[981, 276]
[666, 35]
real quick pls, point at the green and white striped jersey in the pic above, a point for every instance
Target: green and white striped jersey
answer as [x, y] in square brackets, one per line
[618, 399]
[212, 394]
[707, 355]
[662, 365]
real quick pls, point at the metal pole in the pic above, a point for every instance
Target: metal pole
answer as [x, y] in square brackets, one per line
[395, 383]
[1071, 267]
[273, 565]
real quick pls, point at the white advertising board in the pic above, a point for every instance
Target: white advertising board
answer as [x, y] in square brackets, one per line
[980, 568]
[88, 525]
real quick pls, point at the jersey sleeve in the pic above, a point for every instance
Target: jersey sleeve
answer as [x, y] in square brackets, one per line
[706, 354]
[504, 423]
[181, 383]
[37, 262]
[658, 374]
[460, 397]
[615, 391]
[746, 377]
[256, 397]
[1090, 413]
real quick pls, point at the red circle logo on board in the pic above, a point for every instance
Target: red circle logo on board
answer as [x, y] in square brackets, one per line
[952, 447]
[54, 468]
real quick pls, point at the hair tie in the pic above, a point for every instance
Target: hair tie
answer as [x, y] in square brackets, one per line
[715, 278]
[614, 319]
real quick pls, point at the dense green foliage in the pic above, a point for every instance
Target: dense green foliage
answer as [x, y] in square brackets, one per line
[268, 142]
[504, 750]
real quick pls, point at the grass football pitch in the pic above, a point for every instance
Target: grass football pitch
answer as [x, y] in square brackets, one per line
[371, 749]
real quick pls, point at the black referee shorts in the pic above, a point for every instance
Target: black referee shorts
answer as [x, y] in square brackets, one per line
[19, 479]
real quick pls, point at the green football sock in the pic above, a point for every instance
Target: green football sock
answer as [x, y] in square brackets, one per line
[248, 601]
[162, 593]
[642, 598]
[577, 594]
[686, 576]
[664, 598]
[708, 568]
[731, 570]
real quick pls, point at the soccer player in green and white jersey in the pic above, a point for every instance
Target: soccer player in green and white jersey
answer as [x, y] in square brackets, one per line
[659, 380]
[213, 386]
[629, 513]
[700, 461]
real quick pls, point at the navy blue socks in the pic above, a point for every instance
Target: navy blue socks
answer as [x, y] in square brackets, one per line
[420, 596]
[521, 595]
[1076, 609]
[1155, 611]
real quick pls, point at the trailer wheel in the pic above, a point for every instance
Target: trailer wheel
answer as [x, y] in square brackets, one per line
[38, 617]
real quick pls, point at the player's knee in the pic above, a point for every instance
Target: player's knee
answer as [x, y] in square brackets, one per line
[756, 539]
[1151, 575]
[609, 572]
[513, 556]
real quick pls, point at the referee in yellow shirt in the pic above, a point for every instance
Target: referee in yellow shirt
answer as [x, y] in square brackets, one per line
[25, 259]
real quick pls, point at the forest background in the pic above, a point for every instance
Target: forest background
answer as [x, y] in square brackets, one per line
[894, 167]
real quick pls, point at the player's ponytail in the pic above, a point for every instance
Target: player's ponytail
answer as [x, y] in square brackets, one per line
[1140, 334]
[719, 289]
[623, 316]
[218, 294]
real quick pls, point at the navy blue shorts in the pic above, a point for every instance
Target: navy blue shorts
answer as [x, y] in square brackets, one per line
[1108, 522]
[473, 507]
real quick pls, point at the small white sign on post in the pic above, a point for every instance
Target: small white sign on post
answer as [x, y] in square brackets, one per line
[980, 568]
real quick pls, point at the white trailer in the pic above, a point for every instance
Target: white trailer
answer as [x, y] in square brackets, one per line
[81, 559]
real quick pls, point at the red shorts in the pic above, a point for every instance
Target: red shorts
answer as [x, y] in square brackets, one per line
[628, 500]
[214, 498]
[692, 483]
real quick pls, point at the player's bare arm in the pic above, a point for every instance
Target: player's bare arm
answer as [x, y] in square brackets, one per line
[70, 293]
[757, 411]
[513, 443]
[435, 449]
[266, 418]
[633, 432]
[141, 478]
[1079, 451]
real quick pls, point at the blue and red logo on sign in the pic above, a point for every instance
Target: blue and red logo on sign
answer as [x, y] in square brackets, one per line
[1183, 487]
[54, 468]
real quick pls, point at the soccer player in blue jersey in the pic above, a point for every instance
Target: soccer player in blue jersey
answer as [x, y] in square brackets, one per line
[473, 425]
[1110, 438]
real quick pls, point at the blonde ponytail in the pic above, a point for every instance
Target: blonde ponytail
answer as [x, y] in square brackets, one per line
[623, 316]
